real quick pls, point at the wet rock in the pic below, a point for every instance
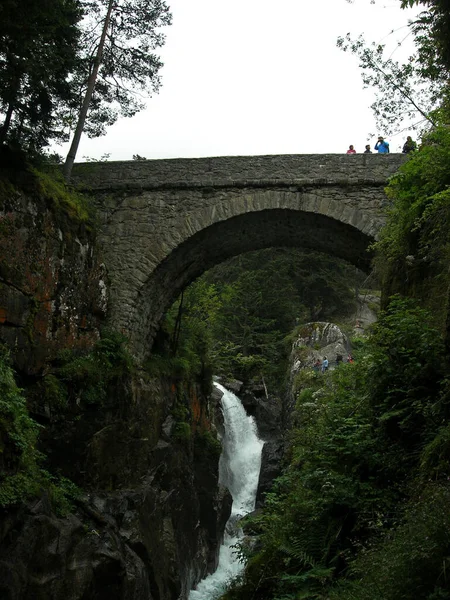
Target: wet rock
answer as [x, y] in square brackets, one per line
[271, 460]
[43, 556]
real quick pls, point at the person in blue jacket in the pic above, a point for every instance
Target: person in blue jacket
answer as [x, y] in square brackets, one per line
[382, 146]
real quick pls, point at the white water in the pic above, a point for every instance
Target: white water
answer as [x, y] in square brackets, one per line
[239, 468]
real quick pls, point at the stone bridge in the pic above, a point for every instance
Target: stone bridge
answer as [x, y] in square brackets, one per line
[164, 222]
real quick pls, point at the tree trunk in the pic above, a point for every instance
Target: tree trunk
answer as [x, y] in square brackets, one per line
[6, 123]
[12, 101]
[177, 327]
[67, 170]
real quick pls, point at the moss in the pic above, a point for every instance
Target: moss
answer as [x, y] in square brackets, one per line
[7, 190]
[374, 307]
[301, 353]
[29, 325]
[88, 377]
[206, 445]
[51, 185]
[181, 432]
[52, 392]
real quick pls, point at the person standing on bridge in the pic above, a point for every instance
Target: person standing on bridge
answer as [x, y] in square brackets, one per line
[351, 150]
[409, 146]
[367, 150]
[382, 146]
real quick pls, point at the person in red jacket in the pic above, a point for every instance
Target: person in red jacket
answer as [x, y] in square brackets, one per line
[351, 150]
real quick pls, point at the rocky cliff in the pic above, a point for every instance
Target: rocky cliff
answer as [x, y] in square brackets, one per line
[150, 515]
[148, 524]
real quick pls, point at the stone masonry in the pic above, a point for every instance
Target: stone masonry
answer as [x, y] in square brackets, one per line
[164, 222]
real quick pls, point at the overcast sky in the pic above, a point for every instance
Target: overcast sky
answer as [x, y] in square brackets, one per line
[248, 77]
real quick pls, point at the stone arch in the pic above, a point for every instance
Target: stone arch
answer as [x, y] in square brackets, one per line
[220, 228]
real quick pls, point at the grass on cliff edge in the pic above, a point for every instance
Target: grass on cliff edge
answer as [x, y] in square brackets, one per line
[42, 178]
[51, 185]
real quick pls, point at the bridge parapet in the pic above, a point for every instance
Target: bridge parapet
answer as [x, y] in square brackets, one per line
[238, 171]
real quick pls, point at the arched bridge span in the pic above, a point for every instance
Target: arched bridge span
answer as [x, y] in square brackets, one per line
[164, 222]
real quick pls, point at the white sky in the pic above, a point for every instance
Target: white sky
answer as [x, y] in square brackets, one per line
[248, 77]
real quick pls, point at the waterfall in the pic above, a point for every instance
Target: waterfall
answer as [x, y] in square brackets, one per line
[239, 466]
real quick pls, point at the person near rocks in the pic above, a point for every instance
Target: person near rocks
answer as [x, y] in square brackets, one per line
[339, 359]
[409, 146]
[382, 146]
[324, 364]
[351, 149]
[367, 149]
[317, 365]
[350, 358]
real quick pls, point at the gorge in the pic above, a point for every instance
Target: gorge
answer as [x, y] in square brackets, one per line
[135, 431]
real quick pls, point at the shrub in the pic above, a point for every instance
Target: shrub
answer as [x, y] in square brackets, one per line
[21, 475]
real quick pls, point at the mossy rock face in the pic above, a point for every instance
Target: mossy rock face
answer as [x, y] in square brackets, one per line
[53, 287]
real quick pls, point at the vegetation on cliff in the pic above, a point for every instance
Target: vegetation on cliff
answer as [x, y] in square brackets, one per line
[21, 464]
[237, 318]
[414, 247]
[355, 513]
[21, 173]
[361, 511]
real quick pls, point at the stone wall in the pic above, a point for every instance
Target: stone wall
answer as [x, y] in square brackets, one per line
[155, 242]
[288, 169]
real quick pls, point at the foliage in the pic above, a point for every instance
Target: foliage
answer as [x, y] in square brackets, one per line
[410, 561]
[264, 294]
[432, 36]
[87, 378]
[235, 318]
[50, 184]
[38, 48]
[49, 57]
[118, 66]
[185, 344]
[401, 92]
[40, 176]
[18, 437]
[354, 515]
[414, 246]
[78, 381]
[181, 432]
[129, 67]
[417, 90]
[21, 475]
[206, 445]
[420, 198]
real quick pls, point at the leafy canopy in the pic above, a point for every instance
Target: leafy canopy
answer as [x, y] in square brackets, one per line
[39, 43]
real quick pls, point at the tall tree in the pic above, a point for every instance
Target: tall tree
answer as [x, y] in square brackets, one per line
[401, 90]
[118, 65]
[38, 48]
[418, 89]
[432, 31]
